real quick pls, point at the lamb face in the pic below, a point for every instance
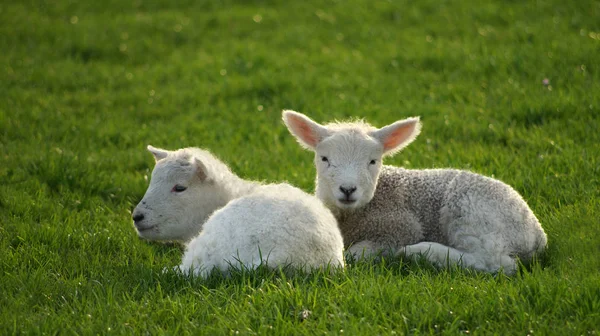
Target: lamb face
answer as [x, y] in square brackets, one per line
[348, 156]
[179, 182]
[348, 165]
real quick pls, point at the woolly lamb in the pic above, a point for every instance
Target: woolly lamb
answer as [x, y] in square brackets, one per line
[193, 194]
[451, 217]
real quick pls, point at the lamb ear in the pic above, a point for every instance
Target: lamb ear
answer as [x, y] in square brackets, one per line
[308, 132]
[398, 135]
[158, 153]
[201, 170]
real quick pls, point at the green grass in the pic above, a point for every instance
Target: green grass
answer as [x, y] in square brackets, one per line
[85, 86]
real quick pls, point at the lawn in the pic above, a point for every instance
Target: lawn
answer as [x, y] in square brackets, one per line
[509, 89]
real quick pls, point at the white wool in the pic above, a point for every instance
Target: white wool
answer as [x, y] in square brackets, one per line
[195, 198]
[278, 225]
[451, 217]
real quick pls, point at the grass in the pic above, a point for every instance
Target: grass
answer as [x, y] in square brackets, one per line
[505, 88]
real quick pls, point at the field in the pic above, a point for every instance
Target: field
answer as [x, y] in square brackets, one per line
[509, 89]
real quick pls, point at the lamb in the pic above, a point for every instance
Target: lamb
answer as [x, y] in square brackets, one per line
[196, 199]
[449, 216]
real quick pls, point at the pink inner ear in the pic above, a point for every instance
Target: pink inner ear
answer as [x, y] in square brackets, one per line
[397, 136]
[305, 132]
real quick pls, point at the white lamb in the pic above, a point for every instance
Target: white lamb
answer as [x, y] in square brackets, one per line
[194, 195]
[451, 217]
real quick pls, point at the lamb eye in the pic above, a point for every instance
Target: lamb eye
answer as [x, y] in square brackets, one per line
[372, 162]
[324, 159]
[178, 188]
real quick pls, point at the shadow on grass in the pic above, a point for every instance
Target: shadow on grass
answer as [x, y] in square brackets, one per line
[142, 279]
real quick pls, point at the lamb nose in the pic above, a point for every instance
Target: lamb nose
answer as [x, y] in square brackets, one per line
[348, 191]
[138, 217]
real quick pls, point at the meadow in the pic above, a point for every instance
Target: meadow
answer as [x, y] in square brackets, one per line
[508, 89]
